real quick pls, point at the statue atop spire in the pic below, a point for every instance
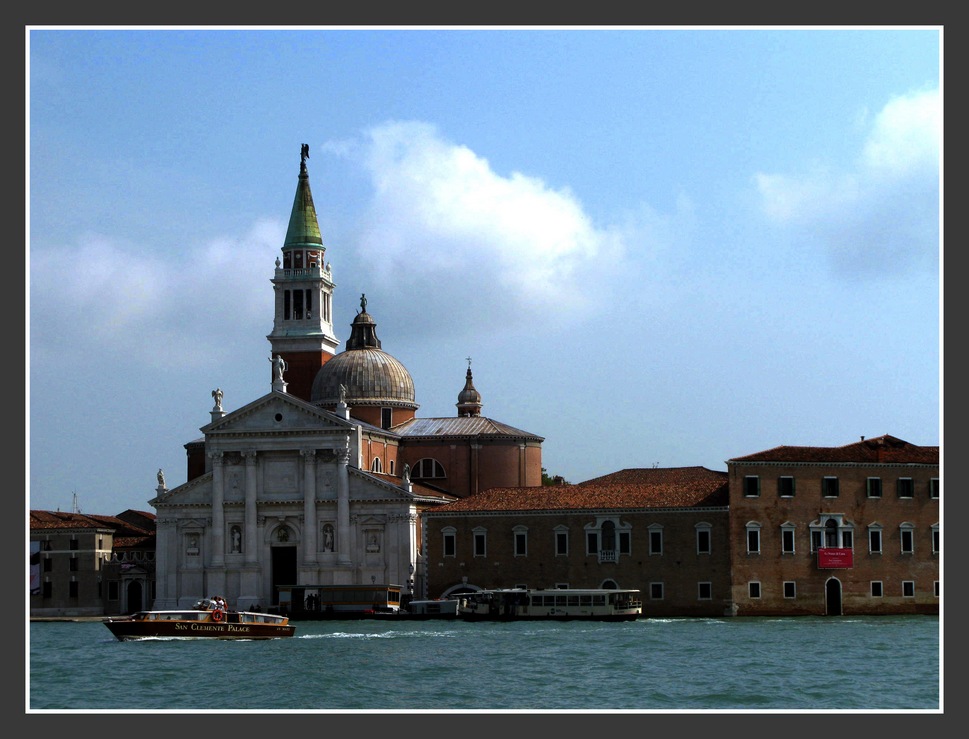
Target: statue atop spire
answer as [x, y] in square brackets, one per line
[304, 154]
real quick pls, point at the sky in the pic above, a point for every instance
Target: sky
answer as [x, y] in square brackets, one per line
[658, 247]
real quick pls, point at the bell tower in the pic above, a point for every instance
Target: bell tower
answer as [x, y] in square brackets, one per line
[303, 283]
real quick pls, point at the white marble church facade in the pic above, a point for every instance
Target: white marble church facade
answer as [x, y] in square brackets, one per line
[283, 502]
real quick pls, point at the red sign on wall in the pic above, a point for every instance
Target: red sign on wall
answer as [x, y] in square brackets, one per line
[834, 558]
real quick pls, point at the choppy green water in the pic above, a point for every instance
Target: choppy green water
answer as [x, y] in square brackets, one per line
[753, 664]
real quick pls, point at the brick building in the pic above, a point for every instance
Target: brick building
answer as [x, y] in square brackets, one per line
[91, 565]
[663, 531]
[847, 530]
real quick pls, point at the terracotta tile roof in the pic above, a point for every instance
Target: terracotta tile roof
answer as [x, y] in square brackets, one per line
[51, 520]
[686, 491]
[881, 449]
[134, 542]
[656, 475]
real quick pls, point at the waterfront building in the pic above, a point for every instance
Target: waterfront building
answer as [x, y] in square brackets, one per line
[663, 531]
[849, 530]
[90, 565]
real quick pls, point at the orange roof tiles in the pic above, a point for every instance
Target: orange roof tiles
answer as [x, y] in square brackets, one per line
[881, 449]
[687, 487]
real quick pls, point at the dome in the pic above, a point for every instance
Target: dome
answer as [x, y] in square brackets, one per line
[469, 399]
[364, 374]
[370, 376]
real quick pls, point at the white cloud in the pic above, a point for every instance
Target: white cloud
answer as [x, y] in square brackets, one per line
[450, 227]
[881, 213]
[905, 137]
[109, 298]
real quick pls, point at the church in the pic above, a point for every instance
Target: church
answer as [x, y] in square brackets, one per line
[323, 480]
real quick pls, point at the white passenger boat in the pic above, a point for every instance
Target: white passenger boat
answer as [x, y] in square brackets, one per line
[208, 619]
[429, 609]
[588, 604]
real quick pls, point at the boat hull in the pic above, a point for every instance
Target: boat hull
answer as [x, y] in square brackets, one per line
[131, 630]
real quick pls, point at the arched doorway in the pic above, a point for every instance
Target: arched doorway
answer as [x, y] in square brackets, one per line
[832, 597]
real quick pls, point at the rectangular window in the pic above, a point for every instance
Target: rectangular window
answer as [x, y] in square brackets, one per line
[450, 545]
[934, 488]
[48, 564]
[703, 545]
[815, 541]
[625, 543]
[655, 542]
[753, 541]
[751, 486]
[875, 541]
[936, 543]
[521, 544]
[908, 588]
[790, 589]
[785, 486]
[480, 544]
[48, 589]
[787, 541]
[704, 591]
[935, 588]
[561, 542]
[297, 304]
[286, 304]
[73, 545]
[73, 564]
[829, 487]
[753, 589]
[72, 589]
[874, 486]
[906, 487]
[908, 541]
[656, 591]
[309, 303]
[877, 590]
[592, 543]
[846, 539]
[386, 417]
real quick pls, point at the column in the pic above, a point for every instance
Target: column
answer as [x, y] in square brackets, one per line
[218, 514]
[165, 564]
[251, 543]
[343, 504]
[309, 506]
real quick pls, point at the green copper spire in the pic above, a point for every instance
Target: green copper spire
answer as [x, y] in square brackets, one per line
[304, 228]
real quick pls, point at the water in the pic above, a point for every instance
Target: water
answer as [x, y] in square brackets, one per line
[888, 663]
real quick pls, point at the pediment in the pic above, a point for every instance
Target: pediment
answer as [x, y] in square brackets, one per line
[274, 413]
[194, 492]
[365, 487]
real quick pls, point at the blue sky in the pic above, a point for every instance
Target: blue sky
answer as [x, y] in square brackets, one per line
[659, 246]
